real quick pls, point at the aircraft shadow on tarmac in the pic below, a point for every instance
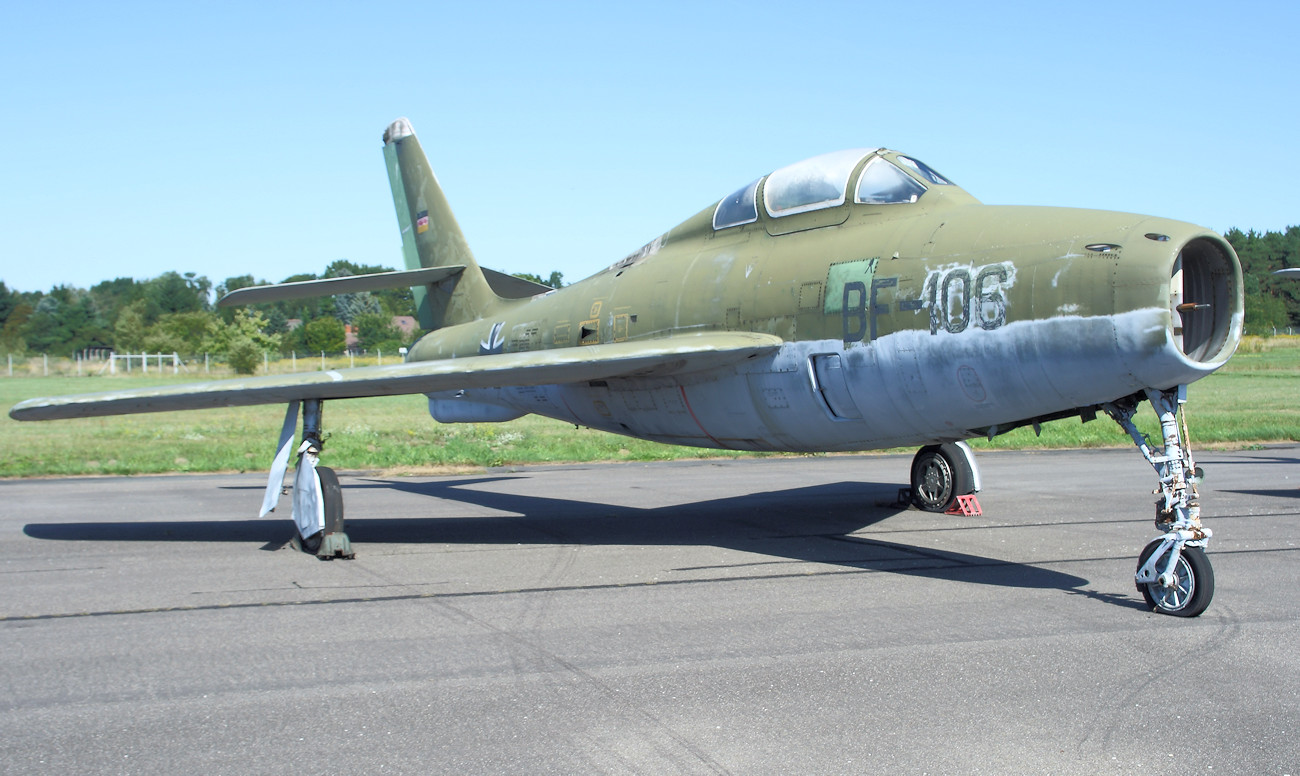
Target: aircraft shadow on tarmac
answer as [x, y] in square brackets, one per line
[1273, 493]
[812, 524]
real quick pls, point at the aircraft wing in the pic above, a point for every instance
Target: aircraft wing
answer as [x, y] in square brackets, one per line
[674, 355]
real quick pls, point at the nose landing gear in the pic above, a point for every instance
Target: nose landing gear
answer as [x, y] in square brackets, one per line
[1174, 575]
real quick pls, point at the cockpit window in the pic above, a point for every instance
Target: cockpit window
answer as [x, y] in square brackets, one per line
[925, 171]
[881, 183]
[812, 184]
[739, 208]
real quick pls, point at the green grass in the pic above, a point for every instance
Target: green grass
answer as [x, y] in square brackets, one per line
[1254, 399]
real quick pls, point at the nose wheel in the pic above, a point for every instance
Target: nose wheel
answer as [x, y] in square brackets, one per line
[1185, 586]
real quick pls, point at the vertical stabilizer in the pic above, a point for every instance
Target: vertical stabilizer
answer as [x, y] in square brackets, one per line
[431, 236]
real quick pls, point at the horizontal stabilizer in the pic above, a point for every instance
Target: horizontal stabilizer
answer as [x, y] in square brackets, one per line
[349, 284]
[675, 355]
[511, 287]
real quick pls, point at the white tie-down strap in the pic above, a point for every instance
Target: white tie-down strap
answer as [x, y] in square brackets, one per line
[308, 506]
[280, 464]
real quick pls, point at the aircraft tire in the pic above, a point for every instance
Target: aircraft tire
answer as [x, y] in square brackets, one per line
[312, 543]
[940, 474]
[1194, 586]
[332, 496]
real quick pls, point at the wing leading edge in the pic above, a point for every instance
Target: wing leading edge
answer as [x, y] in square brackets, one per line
[675, 355]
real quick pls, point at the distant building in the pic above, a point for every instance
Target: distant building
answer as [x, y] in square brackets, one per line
[406, 323]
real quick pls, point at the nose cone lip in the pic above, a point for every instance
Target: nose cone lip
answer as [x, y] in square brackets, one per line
[1206, 300]
[1197, 290]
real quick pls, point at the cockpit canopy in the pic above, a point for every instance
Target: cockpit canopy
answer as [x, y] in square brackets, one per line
[823, 182]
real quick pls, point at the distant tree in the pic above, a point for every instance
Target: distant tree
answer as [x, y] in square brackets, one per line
[172, 293]
[276, 321]
[556, 279]
[1260, 255]
[186, 333]
[343, 268]
[376, 331]
[244, 356]
[111, 296]
[8, 301]
[129, 329]
[1265, 313]
[11, 336]
[348, 307]
[248, 325]
[65, 321]
[236, 283]
[325, 334]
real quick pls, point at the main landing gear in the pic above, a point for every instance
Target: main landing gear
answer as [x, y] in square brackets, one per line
[1173, 574]
[317, 497]
[941, 473]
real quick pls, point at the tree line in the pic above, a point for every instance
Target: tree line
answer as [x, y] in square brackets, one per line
[1272, 302]
[174, 313]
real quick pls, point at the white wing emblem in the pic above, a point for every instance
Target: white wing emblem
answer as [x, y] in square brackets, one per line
[495, 343]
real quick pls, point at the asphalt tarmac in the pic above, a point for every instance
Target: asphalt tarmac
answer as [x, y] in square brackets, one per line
[751, 617]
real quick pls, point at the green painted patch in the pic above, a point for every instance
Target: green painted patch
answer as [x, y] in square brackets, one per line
[860, 272]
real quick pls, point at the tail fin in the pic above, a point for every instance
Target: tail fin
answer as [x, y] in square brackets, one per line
[431, 237]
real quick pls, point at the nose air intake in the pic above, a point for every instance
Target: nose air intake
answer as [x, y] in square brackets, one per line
[1203, 300]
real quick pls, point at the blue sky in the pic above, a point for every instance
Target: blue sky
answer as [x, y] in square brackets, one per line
[244, 138]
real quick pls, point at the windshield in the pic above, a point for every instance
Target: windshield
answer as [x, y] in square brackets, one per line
[925, 171]
[881, 183]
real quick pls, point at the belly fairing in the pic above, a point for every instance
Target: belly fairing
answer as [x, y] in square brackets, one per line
[906, 388]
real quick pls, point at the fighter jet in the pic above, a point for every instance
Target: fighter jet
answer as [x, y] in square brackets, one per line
[857, 300]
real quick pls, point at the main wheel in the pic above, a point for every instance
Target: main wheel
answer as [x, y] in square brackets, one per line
[1193, 583]
[331, 494]
[940, 473]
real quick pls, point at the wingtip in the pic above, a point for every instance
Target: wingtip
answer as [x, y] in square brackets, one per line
[398, 130]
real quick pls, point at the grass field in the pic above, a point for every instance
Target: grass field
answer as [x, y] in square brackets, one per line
[1254, 399]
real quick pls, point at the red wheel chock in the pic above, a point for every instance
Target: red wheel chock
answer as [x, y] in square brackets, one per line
[966, 505]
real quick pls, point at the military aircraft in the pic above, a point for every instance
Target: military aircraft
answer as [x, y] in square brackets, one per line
[856, 300]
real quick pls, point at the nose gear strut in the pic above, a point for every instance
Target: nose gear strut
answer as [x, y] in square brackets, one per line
[1174, 574]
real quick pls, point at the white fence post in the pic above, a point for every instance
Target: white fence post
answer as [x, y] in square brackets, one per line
[46, 358]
